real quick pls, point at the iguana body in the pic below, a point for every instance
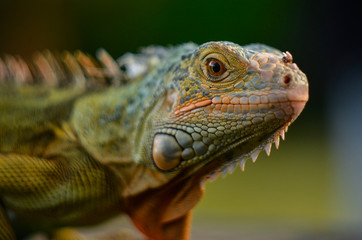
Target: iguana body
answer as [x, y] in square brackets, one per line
[78, 145]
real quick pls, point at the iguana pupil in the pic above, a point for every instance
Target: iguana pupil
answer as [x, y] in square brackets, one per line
[215, 67]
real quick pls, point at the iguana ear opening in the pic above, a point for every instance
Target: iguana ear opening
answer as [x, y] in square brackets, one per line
[171, 99]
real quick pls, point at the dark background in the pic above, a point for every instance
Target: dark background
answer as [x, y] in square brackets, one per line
[312, 187]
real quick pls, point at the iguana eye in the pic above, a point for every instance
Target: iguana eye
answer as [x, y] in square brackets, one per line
[215, 67]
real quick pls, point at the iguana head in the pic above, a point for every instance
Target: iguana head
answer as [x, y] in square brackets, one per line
[227, 103]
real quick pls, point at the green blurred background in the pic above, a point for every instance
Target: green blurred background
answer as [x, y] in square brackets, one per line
[311, 187]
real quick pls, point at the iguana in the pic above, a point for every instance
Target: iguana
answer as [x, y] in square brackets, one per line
[83, 140]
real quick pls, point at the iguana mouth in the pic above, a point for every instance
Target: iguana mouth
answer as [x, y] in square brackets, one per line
[292, 101]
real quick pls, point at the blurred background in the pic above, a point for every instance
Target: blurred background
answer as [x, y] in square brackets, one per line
[309, 189]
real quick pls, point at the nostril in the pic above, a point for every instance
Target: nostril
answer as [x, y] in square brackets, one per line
[287, 79]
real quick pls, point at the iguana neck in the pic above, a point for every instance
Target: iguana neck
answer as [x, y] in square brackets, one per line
[115, 125]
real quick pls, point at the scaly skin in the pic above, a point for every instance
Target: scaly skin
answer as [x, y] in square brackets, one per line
[77, 152]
